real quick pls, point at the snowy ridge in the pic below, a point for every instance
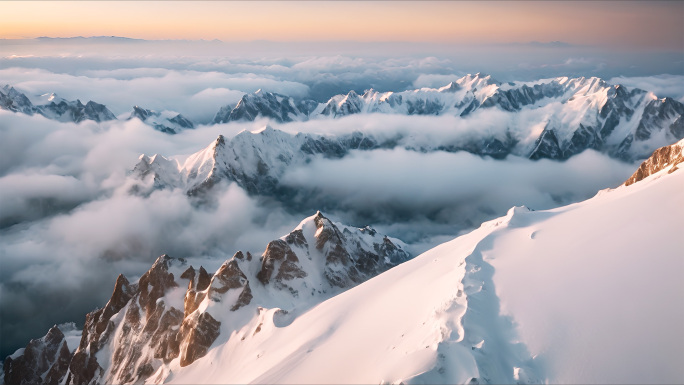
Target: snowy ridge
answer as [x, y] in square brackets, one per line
[277, 107]
[257, 160]
[54, 107]
[166, 121]
[175, 313]
[527, 298]
[254, 159]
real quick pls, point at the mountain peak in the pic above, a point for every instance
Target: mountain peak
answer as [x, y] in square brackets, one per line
[265, 130]
[174, 313]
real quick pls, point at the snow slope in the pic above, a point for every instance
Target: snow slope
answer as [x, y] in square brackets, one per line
[587, 293]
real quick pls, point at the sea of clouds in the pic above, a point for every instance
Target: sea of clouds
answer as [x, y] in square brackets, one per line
[69, 226]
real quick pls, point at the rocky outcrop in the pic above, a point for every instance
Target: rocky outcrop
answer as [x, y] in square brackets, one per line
[15, 101]
[262, 104]
[196, 288]
[43, 361]
[55, 107]
[197, 333]
[668, 157]
[348, 105]
[348, 262]
[547, 146]
[657, 115]
[75, 111]
[280, 258]
[167, 122]
[229, 276]
[175, 312]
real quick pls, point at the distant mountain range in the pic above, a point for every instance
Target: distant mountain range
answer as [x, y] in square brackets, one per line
[551, 118]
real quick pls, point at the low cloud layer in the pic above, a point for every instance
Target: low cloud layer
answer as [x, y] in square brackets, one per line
[197, 95]
[197, 78]
[663, 85]
[68, 225]
[451, 190]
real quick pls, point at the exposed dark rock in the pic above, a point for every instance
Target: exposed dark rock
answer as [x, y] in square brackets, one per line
[296, 238]
[140, 113]
[276, 253]
[547, 146]
[424, 107]
[60, 367]
[143, 332]
[655, 114]
[196, 335]
[75, 111]
[265, 104]
[182, 121]
[154, 283]
[677, 127]
[163, 337]
[83, 369]
[97, 112]
[583, 138]
[167, 125]
[229, 276]
[15, 101]
[47, 356]
[307, 106]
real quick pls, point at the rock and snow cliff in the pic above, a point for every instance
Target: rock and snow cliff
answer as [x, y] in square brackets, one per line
[175, 313]
[556, 296]
[665, 158]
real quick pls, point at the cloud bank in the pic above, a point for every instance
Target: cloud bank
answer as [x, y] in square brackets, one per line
[68, 225]
[451, 190]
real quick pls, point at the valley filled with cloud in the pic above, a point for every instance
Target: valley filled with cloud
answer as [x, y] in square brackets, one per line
[69, 221]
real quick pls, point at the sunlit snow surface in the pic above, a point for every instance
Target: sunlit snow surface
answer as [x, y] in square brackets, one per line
[587, 293]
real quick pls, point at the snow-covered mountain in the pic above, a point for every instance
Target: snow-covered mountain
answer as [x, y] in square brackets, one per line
[175, 312]
[549, 118]
[554, 296]
[255, 160]
[74, 111]
[573, 114]
[53, 107]
[586, 293]
[165, 121]
[15, 101]
[261, 104]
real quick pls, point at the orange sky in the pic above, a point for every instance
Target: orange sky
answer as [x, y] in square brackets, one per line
[637, 25]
